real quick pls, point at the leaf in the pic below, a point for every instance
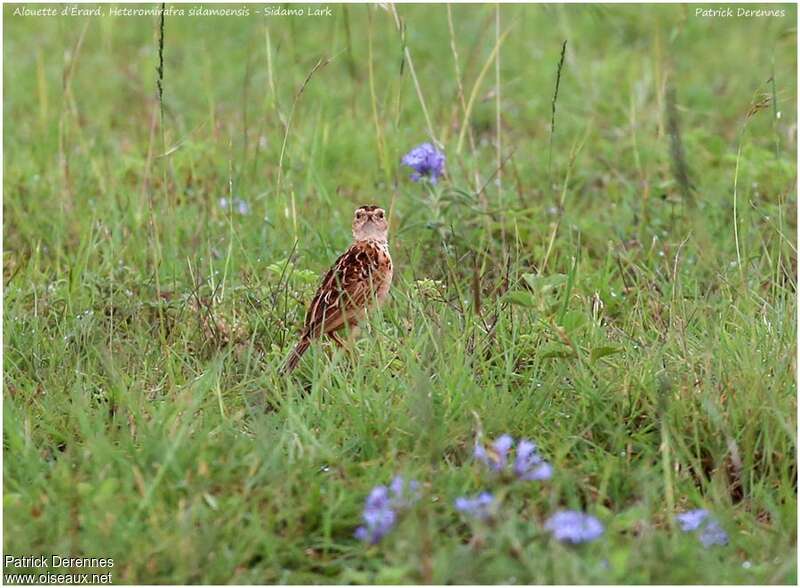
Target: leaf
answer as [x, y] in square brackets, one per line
[605, 351]
[573, 320]
[521, 298]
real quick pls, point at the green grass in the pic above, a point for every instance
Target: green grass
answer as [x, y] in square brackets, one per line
[583, 299]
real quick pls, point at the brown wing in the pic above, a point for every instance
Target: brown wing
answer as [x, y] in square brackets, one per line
[346, 289]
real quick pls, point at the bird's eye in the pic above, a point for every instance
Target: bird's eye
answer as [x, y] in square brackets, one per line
[380, 214]
[359, 214]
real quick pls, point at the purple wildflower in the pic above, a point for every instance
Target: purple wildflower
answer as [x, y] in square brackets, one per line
[574, 527]
[381, 506]
[691, 520]
[379, 517]
[404, 495]
[426, 161]
[239, 205]
[713, 534]
[710, 531]
[529, 465]
[479, 507]
[497, 454]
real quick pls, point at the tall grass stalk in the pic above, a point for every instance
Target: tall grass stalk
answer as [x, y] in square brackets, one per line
[473, 94]
[553, 103]
[462, 102]
[498, 103]
[407, 54]
[321, 62]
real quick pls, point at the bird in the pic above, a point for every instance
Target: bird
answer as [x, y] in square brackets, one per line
[358, 281]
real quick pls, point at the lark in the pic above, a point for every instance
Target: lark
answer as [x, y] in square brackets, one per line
[358, 281]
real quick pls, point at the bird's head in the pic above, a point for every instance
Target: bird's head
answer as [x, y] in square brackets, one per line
[369, 222]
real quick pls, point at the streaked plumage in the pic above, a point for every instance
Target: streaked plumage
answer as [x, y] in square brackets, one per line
[359, 279]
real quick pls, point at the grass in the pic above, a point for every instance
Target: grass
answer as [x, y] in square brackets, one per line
[585, 298]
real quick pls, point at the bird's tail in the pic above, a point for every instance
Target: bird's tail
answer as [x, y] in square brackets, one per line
[294, 357]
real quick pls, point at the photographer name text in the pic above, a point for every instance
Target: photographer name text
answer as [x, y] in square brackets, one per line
[731, 12]
[65, 569]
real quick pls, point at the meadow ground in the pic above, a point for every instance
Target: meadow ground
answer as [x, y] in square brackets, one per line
[621, 291]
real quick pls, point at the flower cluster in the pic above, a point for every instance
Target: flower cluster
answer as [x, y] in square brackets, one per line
[379, 517]
[528, 464]
[707, 528]
[382, 506]
[571, 526]
[426, 161]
